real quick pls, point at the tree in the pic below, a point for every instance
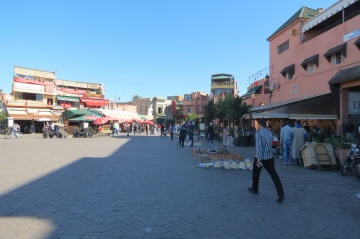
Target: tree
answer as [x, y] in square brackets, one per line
[220, 110]
[2, 117]
[136, 97]
[209, 112]
[231, 110]
[192, 117]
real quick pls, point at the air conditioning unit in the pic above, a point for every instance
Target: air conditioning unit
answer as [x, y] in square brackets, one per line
[272, 86]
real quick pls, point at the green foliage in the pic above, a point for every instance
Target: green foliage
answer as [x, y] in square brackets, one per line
[2, 117]
[209, 112]
[232, 131]
[231, 109]
[136, 97]
[192, 117]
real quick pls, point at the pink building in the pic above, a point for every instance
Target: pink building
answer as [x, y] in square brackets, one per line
[314, 68]
[195, 102]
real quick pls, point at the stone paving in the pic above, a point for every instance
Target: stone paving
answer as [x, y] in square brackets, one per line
[148, 187]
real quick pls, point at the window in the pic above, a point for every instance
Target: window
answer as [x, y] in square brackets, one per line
[198, 109]
[218, 91]
[229, 91]
[289, 75]
[28, 96]
[311, 67]
[336, 58]
[188, 97]
[283, 47]
[336, 54]
[188, 110]
[159, 110]
[288, 72]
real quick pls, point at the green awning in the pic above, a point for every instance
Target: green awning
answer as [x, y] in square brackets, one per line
[80, 119]
[68, 98]
[254, 90]
[70, 114]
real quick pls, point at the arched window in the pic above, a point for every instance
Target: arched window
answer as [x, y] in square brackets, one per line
[160, 110]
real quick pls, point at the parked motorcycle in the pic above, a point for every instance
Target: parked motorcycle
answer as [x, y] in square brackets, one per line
[352, 162]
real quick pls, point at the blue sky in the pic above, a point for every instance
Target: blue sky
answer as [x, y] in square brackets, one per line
[142, 47]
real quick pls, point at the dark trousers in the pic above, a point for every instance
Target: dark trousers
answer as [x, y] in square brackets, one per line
[270, 168]
[181, 142]
[211, 137]
[191, 137]
[172, 135]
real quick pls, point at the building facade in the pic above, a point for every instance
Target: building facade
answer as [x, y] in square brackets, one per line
[38, 95]
[79, 94]
[32, 96]
[194, 103]
[144, 106]
[222, 85]
[314, 65]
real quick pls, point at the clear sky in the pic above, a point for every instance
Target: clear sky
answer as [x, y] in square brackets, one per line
[142, 47]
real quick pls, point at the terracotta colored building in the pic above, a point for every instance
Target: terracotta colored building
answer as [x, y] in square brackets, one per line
[314, 68]
[195, 102]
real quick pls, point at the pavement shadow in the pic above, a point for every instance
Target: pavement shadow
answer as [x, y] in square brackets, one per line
[77, 199]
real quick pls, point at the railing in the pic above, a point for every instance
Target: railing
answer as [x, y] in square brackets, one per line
[259, 75]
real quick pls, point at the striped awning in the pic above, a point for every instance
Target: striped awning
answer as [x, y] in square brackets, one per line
[31, 114]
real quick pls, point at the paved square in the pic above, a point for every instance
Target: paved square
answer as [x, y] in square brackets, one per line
[148, 187]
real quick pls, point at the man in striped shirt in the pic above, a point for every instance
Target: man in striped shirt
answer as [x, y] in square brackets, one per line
[264, 157]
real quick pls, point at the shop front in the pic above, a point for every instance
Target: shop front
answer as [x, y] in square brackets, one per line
[313, 111]
[345, 86]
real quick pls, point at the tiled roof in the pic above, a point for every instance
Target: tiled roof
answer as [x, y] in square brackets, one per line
[303, 12]
[345, 75]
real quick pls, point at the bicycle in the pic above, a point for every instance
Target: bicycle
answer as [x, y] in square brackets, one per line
[7, 133]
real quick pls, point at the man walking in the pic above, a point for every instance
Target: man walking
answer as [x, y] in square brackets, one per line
[286, 142]
[264, 157]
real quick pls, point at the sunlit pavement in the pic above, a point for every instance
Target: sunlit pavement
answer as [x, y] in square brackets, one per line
[148, 187]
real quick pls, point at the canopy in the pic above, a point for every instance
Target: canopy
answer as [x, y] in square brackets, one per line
[94, 102]
[76, 113]
[43, 119]
[104, 120]
[80, 119]
[68, 98]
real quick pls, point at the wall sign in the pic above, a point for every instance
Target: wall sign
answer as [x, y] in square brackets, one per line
[295, 89]
[351, 35]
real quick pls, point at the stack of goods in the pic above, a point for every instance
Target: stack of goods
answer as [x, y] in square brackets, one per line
[221, 159]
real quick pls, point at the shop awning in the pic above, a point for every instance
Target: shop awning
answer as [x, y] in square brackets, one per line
[68, 98]
[94, 102]
[254, 90]
[340, 48]
[121, 114]
[311, 59]
[80, 119]
[267, 115]
[345, 75]
[323, 99]
[48, 115]
[290, 69]
[34, 114]
[69, 114]
[357, 43]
